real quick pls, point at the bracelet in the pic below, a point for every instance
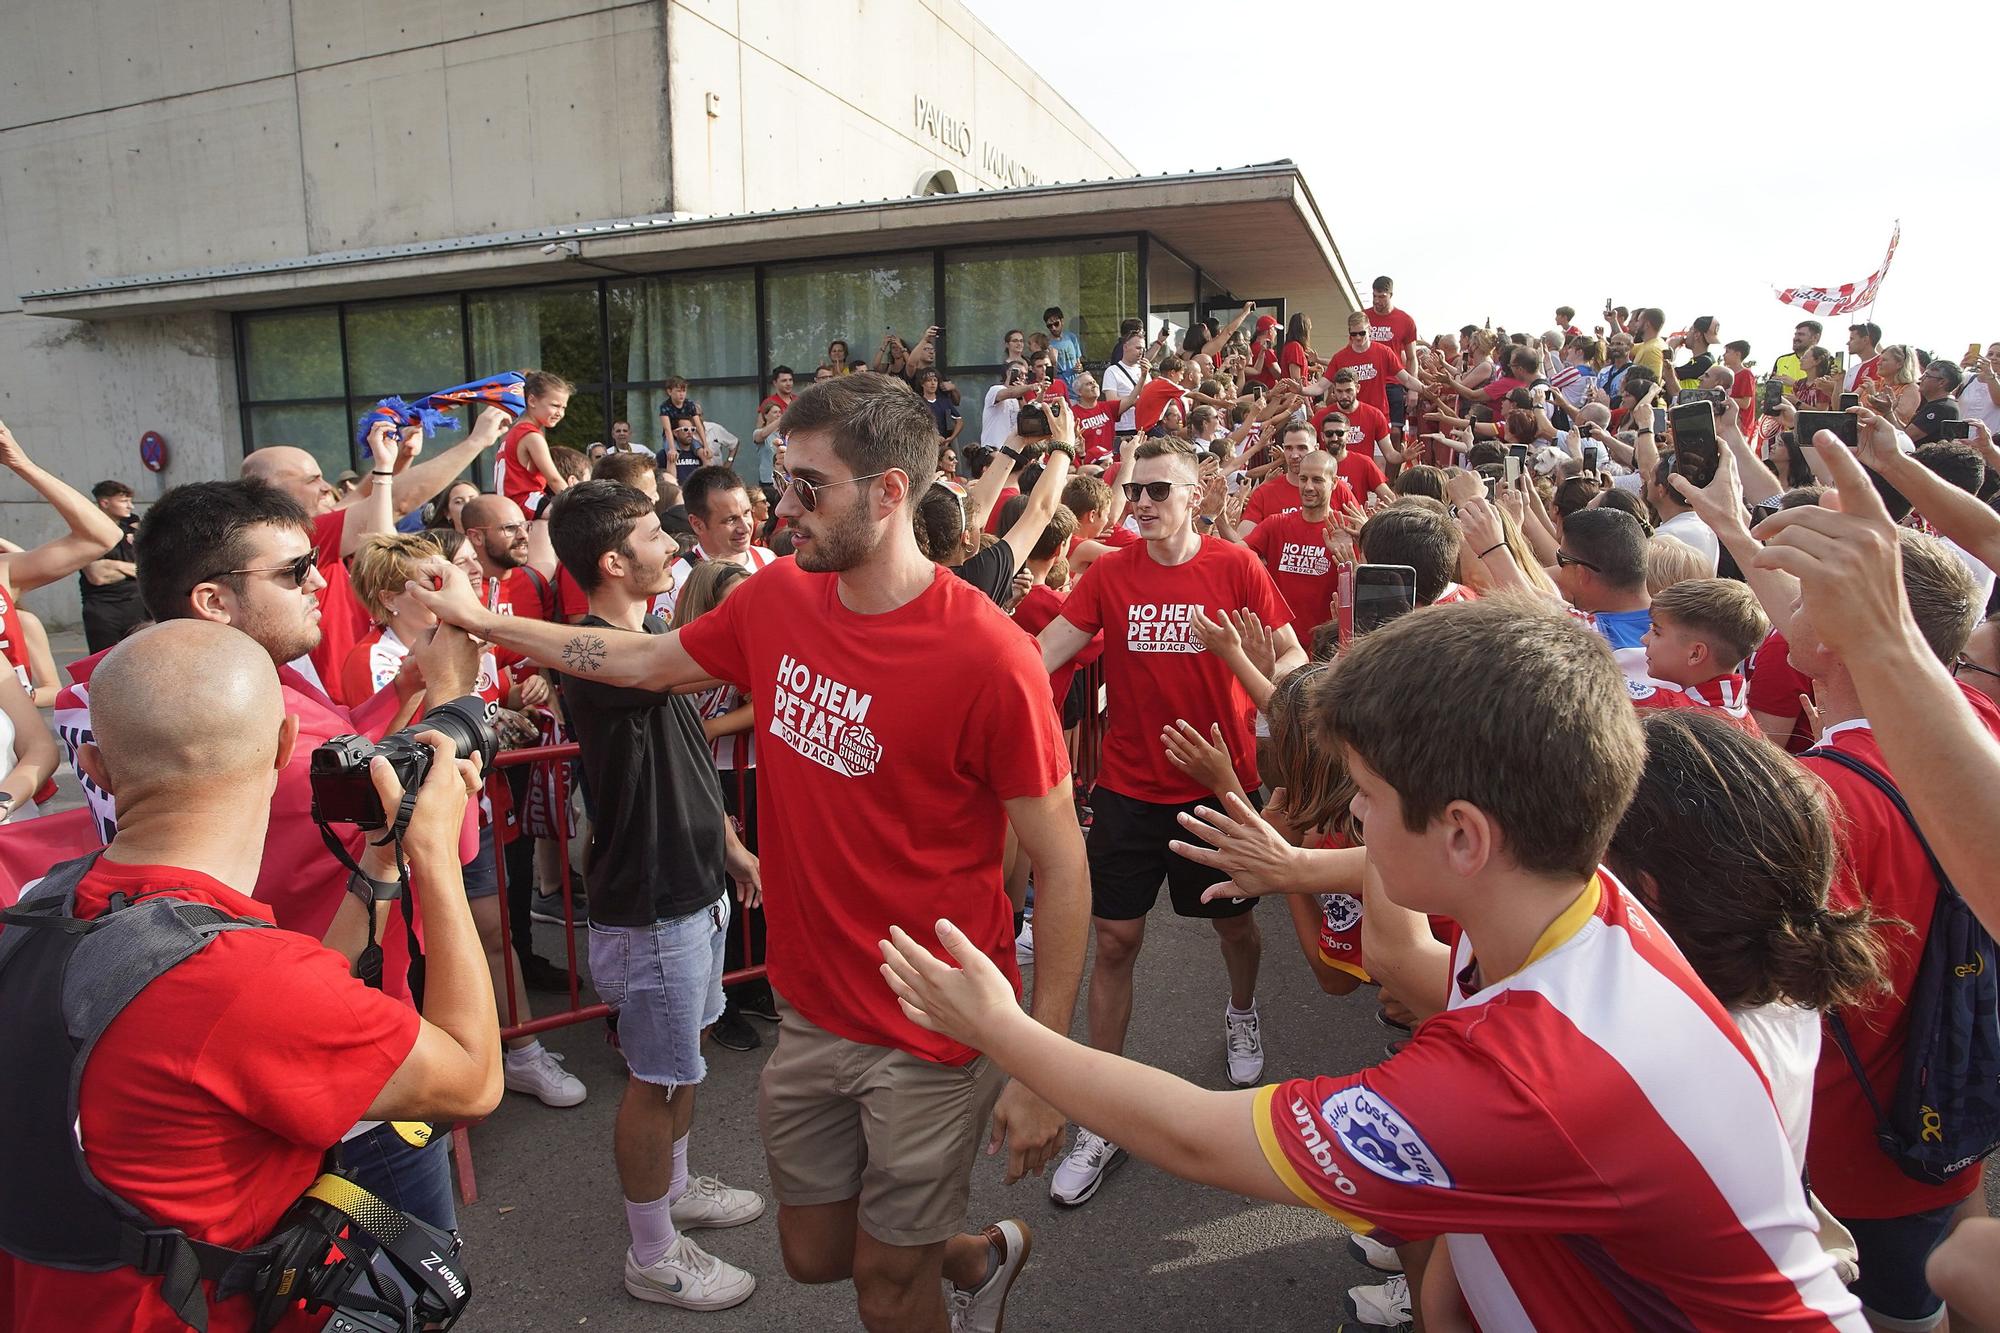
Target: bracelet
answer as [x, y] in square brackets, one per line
[1491, 549]
[378, 472]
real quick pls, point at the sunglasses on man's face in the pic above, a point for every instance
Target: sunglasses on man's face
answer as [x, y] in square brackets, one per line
[808, 492]
[295, 572]
[1565, 559]
[1156, 491]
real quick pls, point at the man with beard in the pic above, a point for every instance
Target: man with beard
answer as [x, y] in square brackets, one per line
[660, 850]
[855, 655]
[240, 553]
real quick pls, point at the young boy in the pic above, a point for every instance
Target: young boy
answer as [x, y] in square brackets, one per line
[1581, 1122]
[1703, 630]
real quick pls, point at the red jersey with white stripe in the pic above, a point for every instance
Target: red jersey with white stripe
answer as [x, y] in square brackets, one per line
[1591, 1136]
[513, 475]
[1339, 919]
[754, 559]
[1726, 696]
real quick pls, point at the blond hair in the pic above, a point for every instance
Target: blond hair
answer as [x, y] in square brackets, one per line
[1723, 613]
[1669, 561]
[384, 564]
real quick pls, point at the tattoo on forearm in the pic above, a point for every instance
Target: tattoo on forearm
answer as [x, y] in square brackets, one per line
[584, 654]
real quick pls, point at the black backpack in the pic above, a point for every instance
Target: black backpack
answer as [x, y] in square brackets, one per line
[1944, 1114]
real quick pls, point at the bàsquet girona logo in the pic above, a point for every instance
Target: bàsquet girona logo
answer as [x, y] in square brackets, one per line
[824, 720]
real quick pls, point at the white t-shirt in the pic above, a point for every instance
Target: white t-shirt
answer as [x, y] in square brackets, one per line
[1785, 1040]
[1977, 401]
[996, 422]
[1689, 528]
[1121, 383]
[1982, 577]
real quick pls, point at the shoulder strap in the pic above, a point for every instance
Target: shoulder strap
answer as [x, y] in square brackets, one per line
[544, 591]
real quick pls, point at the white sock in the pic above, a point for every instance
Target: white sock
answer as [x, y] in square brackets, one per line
[652, 1227]
[1234, 1012]
[525, 1053]
[679, 1183]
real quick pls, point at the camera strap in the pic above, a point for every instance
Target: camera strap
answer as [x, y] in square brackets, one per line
[368, 963]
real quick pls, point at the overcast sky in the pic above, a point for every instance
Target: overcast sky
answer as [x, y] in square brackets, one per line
[1488, 167]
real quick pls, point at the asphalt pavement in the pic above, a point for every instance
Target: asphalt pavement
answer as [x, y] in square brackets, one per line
[545, 1241]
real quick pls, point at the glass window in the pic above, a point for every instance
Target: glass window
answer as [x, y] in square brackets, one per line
[547, 328]
[805, 308]
[584, 423]
[730, 408]
[1170, 294]
[409, 348]
[986, 293]
[323, 430]
[697, 328]
[292, 354]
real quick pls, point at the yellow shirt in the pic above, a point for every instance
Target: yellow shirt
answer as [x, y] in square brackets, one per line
[1653, 356]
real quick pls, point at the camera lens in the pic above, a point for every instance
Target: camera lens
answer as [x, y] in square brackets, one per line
[467, 722]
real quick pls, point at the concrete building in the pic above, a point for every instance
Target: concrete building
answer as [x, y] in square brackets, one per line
[239, 222]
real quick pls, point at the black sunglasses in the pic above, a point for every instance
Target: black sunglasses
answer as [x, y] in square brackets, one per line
[1156, 491]
[1967, 664]
[297, 571]
[1565, 558]
[808, 492]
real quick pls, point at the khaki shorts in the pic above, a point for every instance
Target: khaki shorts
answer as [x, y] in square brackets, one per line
[842, 1119]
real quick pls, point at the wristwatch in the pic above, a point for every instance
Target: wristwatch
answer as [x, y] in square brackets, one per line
[1011, 453]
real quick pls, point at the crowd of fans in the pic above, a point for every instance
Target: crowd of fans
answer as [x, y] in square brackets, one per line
[1623, 717]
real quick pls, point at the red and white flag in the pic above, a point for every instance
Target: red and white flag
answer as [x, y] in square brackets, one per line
[1849, 296]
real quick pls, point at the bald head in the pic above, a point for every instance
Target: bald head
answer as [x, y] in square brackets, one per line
[498, 532]
[293, 471]
[147, 742]
[489, 511]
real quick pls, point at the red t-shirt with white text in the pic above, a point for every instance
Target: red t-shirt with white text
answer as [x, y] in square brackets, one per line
[1374, 425]
[1096, 431]
[1362, 474]
[1294, 550]
[1395, 330]
[1276, 494]
[1155, 669]
[1373, 369]
[1725, 696]
[246, 1063]
[881, 779]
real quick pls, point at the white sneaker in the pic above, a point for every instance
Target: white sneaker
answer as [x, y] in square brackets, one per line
[984, 1308]
[543, 1075]
[1387, 1304]
[1024, 945]
[1244, 1041]
[690, 1277]
[713, 1205]
[1373, 1253]
[1079, 1173]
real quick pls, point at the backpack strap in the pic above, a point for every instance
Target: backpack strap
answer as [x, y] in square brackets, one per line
[1835, 1024]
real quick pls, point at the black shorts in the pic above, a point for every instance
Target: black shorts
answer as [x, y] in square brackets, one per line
[1129, 857]
[1076, 703]
[1397, 405]
[1892, 1252]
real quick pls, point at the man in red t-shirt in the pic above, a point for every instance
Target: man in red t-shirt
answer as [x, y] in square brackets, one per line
[1303, 549]
[1096, 422]
[1375, 365]
[1391, 328]
[266, 586]
[1343, 395]
[854, 653]
[1363, 475]
[1884, 871]
[206, 1060]
[781, 390]
[1280, 494]
[1149, 600]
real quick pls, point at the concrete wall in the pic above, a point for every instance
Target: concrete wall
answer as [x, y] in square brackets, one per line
[779, 103]
[144, 137]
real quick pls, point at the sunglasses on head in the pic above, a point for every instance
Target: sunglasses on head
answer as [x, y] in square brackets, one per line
[808, 492]
[1156, 491]
[294, 571]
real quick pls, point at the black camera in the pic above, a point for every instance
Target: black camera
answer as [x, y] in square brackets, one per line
[341, 790]
[1033, 422]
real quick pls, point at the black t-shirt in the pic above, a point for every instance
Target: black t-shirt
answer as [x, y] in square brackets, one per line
[124, 590]
[1929, 415]
[990, 571]
[656, 843]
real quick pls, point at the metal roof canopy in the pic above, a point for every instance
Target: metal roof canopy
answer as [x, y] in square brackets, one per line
[1255, 231]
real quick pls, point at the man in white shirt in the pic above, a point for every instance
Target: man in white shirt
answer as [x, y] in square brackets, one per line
[718, 509]
[1677, 519]
[1003, 405]
[1979, 395]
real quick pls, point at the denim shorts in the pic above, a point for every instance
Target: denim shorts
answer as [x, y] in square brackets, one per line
[1892, 1250]
[665, 981]
[415, 1180]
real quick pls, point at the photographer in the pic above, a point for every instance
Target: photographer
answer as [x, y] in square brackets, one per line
[239, 553]
[211, 1098]
[946, 518]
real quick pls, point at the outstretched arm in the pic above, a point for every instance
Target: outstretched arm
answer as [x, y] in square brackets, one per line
[420, 482]
[91, 533]
[615, 657]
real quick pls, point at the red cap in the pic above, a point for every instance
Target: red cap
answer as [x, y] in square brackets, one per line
[1266, 322]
